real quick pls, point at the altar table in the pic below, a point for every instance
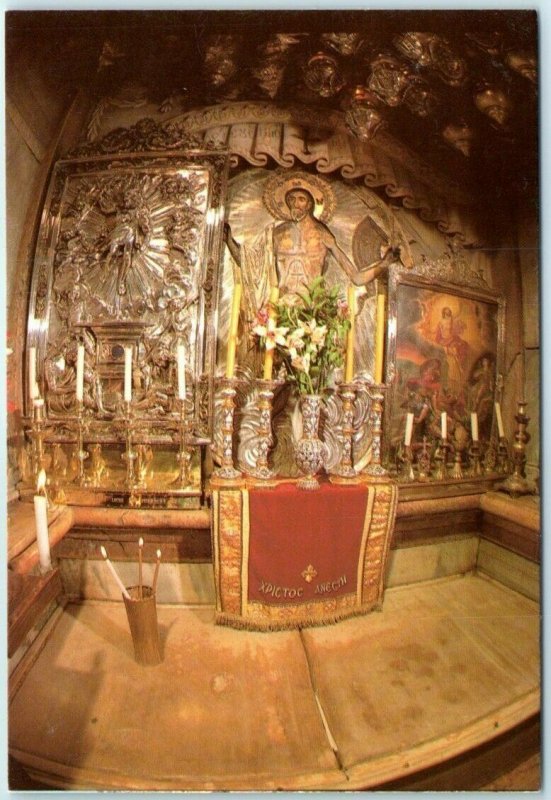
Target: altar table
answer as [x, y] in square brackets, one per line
[286, 558]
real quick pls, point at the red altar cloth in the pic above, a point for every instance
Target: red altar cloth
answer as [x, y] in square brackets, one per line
[284, 557]
[291, 530]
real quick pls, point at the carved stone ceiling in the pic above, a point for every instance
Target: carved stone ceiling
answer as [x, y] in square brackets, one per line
[457, 87]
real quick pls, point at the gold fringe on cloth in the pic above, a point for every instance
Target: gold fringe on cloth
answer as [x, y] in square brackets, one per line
[230, 539]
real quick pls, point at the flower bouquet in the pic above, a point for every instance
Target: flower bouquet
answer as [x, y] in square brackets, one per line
[307, 333]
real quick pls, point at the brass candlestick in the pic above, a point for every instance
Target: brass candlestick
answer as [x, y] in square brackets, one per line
[375, 470]
[82, 454]
[184, 454]
[227, 472]
[516, 484]
[474, 455]
[344, 471]
[130, 455]
[261, 471]
[441, 459]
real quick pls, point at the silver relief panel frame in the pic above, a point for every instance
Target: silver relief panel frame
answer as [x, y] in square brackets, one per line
[128, 254]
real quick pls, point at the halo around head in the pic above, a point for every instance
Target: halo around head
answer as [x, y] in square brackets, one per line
[281, 182]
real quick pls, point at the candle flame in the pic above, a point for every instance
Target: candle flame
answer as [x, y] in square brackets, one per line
[140, 542]
[41, 482]
[158, 554]
[103, 551]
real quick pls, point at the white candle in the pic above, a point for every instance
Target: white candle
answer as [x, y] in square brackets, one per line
[127, 374]
[38, 406]
[120, 584]
[80, 373]
[444, 424]
[181, 359]
[41, 522]
[474, 426]
[409, 429]
[33, 388]
[234, 322]
[499, 421]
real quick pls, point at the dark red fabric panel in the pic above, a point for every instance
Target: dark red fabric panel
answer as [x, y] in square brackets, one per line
[291, 529]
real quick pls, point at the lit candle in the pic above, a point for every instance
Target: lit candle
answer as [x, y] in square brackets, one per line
[272, 322]
[379, 339]
[181, 359]
[41, 522]
[474, 426]
[127, 374]
[140, 568]
[499, 421]
[33, 388]
[444, 425]
[349, 362]
[118, 581]
[409, 429]
[156, 573]
[80, 373]
[232, 340]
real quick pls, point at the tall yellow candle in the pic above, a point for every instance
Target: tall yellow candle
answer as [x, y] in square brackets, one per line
[272, 317]
[349, 362]
[232, 340]
[379, 339]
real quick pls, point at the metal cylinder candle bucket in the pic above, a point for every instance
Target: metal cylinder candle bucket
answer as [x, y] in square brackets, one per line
[142, 618]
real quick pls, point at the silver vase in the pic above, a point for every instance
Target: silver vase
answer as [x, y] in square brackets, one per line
[310, 451]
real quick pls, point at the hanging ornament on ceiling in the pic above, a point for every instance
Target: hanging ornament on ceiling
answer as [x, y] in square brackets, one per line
[492, 101]
[460, 136]
[363, 114]
[322, 75]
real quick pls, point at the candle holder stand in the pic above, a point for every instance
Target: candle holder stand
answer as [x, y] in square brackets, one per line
[82, 454]
[516, 484]
[375, 472]
[141, 612]
[344, 472]
[226, 474]
[474, 457]
[261, 471]
[184, 452]
[130, 454]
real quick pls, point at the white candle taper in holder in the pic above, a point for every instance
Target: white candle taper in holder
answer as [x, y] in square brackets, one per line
[499, 418]
[409, 429]
[181, 361]
[41, 521]
[127, 374]
[156, 573]
[140, 567]
[444, 425]
[80, 373]
[120, 584]
[474, 426]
